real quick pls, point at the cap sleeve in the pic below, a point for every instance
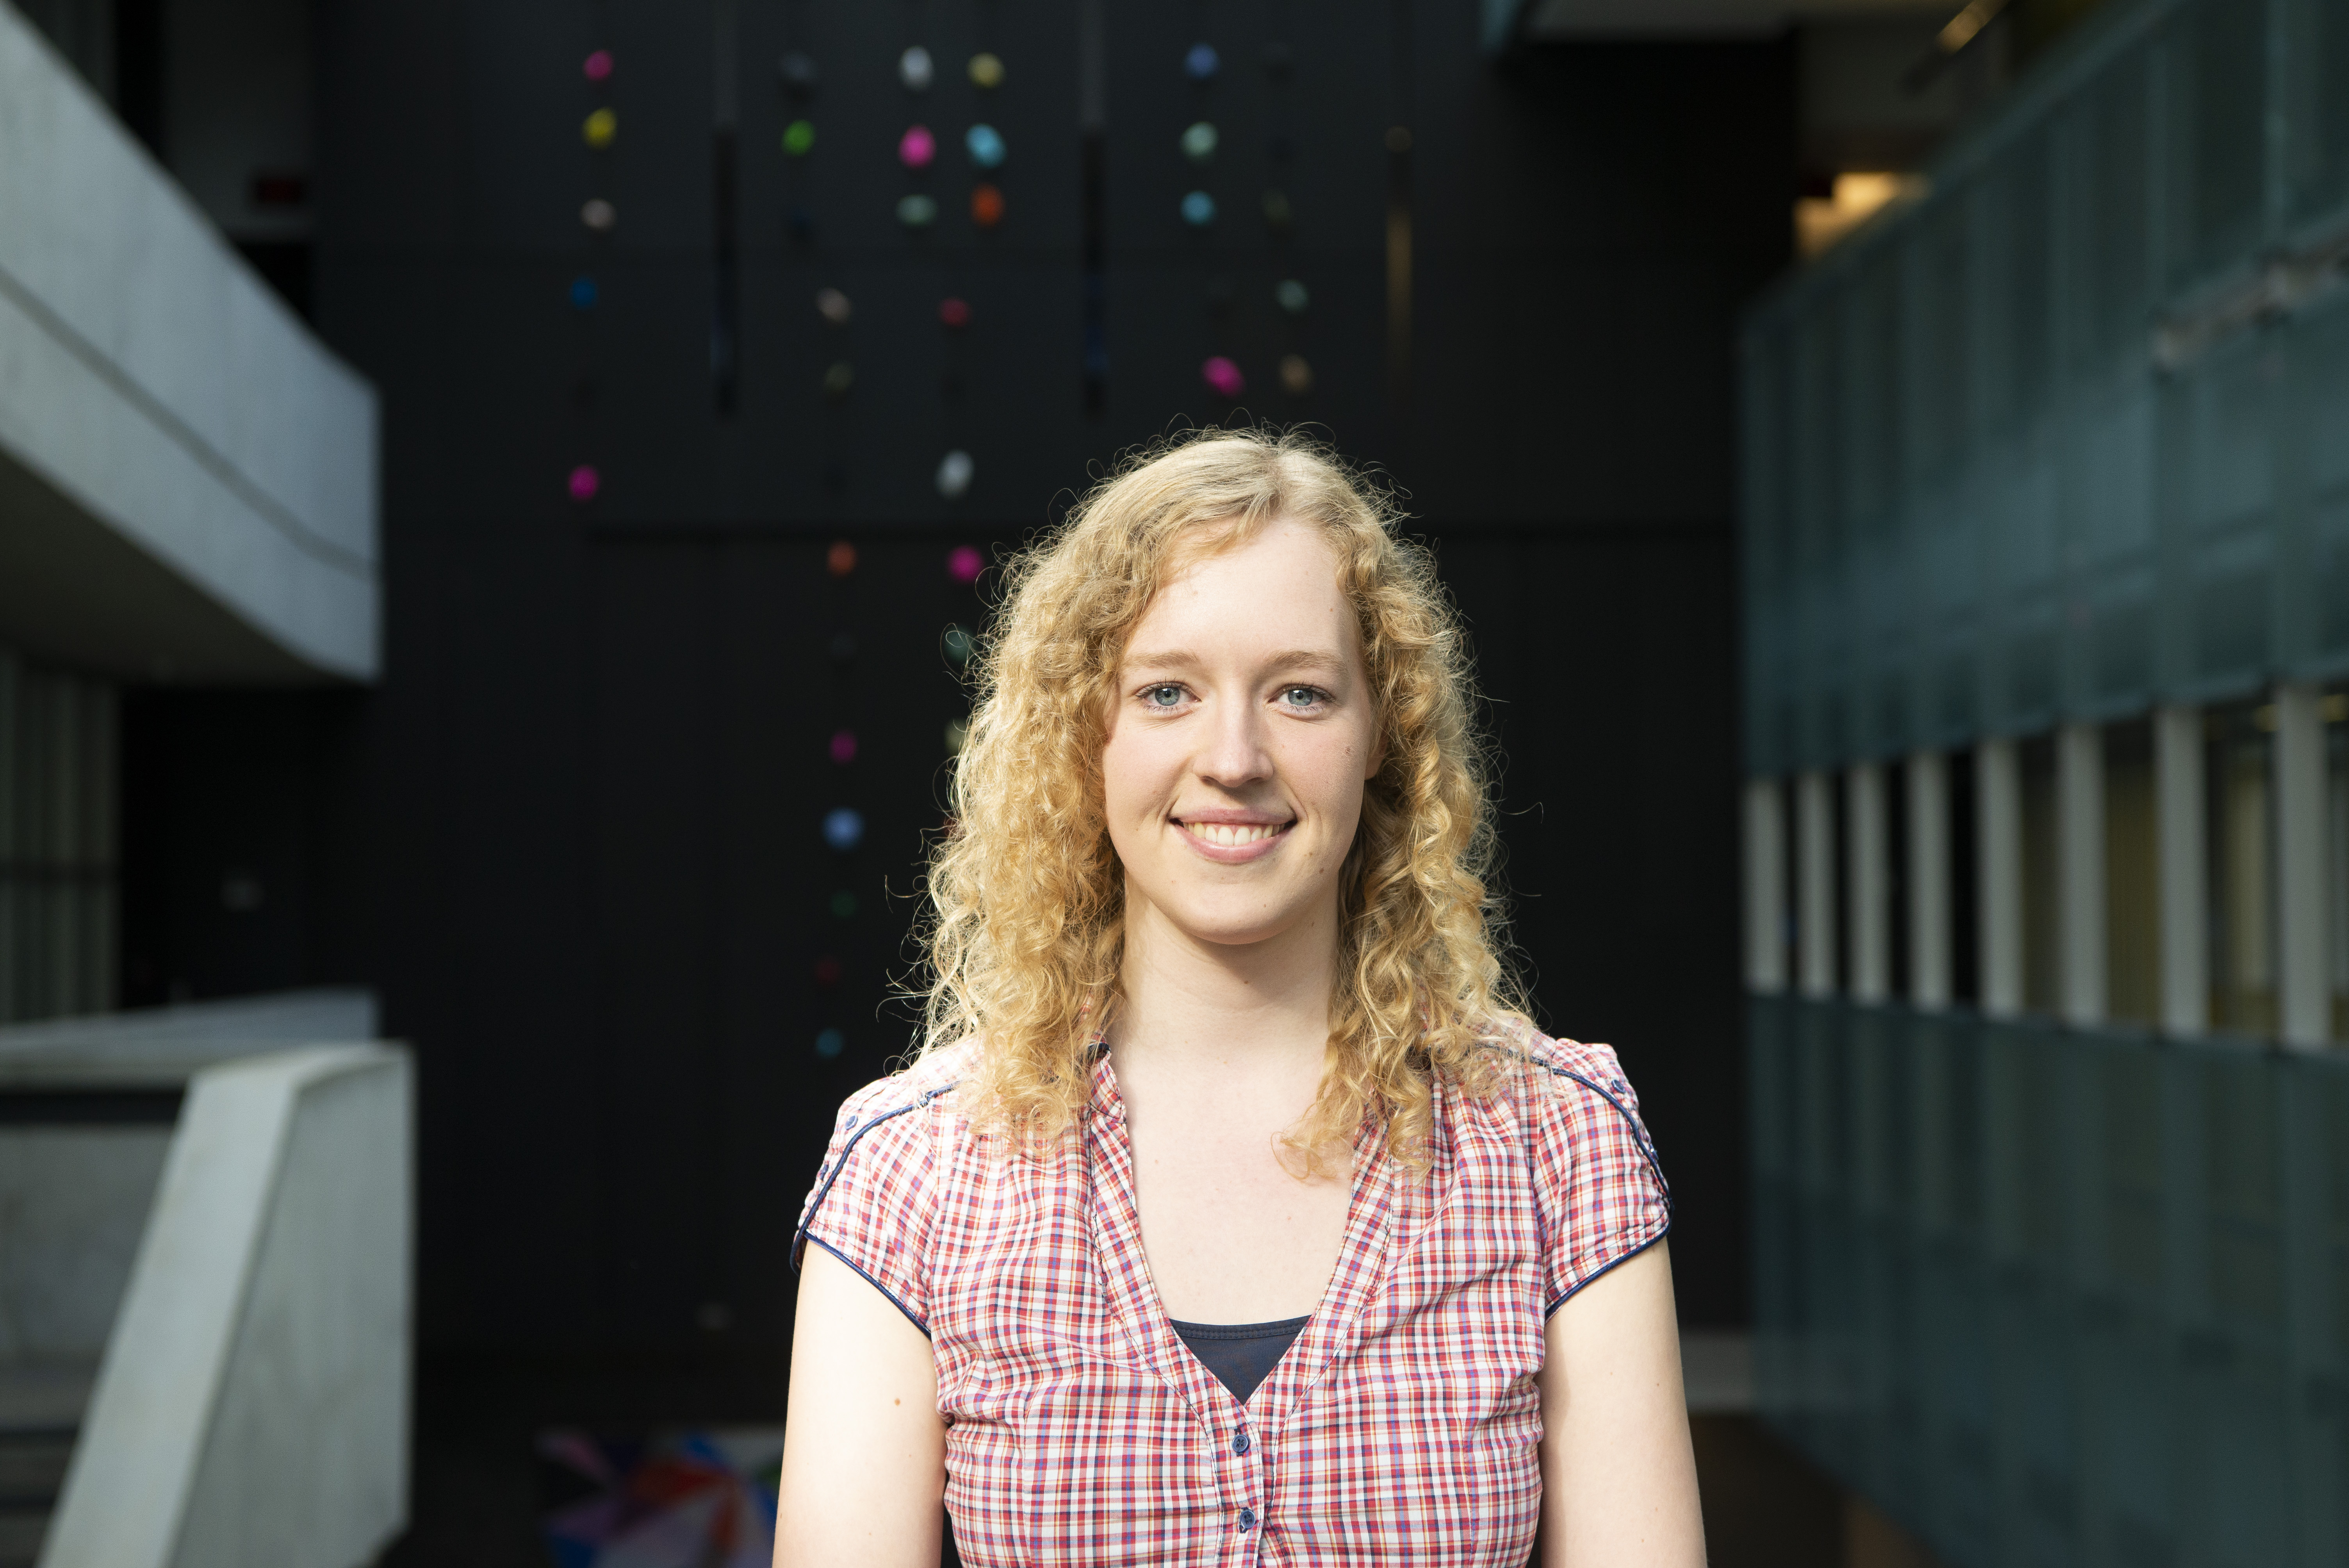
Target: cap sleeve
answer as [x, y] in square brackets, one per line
[873, 1201]
[1597, 1184]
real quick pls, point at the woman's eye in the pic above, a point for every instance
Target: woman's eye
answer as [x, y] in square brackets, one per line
[1300, 697]
[1163, 696]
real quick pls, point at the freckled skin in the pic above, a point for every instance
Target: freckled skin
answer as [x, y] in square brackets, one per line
[1243, 711]
[1239, 734]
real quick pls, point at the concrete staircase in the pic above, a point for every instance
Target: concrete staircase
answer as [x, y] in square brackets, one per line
[41, 1408]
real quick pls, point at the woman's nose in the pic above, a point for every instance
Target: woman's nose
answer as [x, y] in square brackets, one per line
[1235, 752]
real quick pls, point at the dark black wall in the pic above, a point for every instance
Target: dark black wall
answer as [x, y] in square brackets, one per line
[247, 864]
[596, 765]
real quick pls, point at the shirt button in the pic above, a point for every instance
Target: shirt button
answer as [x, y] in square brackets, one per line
[1248, 1519]
[1240, 1443]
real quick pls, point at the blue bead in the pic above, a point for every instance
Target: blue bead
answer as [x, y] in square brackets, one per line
[582, 292]
[843, 827]
[1198, 208]
[1202, 62]
[830, 1044]
[985, 145]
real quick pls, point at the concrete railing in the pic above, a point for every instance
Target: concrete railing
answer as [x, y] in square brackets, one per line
[206, 1313]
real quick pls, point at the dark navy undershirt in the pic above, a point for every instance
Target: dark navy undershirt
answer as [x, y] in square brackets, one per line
[1240, 1354]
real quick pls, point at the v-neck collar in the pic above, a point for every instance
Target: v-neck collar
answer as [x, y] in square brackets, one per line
[1328, 1333]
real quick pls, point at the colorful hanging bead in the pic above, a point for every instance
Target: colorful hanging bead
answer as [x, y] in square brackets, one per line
[1224, 376]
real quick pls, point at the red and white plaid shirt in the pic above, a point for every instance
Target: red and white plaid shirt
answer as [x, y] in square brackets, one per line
[1403, 1424]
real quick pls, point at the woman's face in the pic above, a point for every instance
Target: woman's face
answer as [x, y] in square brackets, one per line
[1241, 736]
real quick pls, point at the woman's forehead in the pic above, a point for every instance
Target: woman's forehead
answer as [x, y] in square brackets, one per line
[1276, 597]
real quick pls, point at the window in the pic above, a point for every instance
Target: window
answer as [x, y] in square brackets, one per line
[2240, 800]
[2132, 876]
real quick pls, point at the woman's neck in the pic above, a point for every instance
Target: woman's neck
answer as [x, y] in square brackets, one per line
[1257, 1011]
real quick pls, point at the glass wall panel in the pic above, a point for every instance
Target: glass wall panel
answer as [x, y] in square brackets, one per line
[2058, 1295]
[1939, 391]
[2315, 64]
[2109, 296]
[2218, 76]
[2321, 355]
[2336, 854]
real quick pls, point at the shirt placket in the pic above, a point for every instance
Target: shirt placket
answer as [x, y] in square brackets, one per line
[1241, 1459]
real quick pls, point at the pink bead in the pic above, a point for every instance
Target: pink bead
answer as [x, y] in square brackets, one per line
[1224, 376]
[598, 66]
[843, 747]
[585, 483]
[964, 563]
[916, 148]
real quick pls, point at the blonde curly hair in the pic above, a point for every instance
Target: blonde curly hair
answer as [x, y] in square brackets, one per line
[1025, 934]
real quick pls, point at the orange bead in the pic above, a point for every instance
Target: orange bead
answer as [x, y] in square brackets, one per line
[986, 206]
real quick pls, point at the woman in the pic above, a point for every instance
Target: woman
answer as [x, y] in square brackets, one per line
[1233, 1212]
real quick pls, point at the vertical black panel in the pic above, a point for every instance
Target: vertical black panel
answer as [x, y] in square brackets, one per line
[597, 766]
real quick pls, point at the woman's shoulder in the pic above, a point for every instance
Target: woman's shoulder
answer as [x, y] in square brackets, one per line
[889, 1147]
[1556, 1089]
[918, 1101]
[1531, 1060]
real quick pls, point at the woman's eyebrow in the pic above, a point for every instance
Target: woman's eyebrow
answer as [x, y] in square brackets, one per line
[1286, 659]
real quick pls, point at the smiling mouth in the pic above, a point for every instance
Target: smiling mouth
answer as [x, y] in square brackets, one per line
[1233, 835]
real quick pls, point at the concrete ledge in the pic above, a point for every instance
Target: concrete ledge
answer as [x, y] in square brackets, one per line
[162, 1047]
[157, 391]
[252, 1406]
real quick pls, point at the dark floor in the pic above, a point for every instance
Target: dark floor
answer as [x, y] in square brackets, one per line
[477, 1490]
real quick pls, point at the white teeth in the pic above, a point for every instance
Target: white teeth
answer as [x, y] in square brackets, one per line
[1231, 835]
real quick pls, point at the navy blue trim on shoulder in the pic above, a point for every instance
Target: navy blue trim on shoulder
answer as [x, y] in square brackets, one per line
[800, 1238]
[886, 1293]
[1600, 1274]
[1647, 1152]
[1639, 1133]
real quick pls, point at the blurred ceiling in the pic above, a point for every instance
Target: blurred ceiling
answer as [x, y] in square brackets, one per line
[1561, 19]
